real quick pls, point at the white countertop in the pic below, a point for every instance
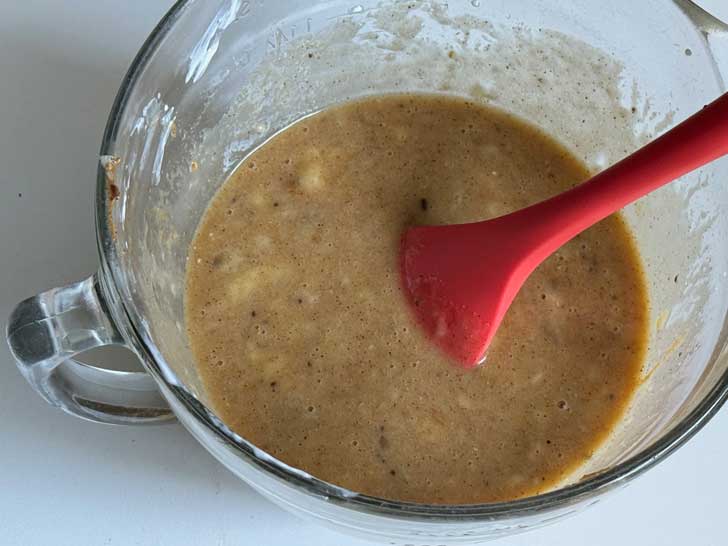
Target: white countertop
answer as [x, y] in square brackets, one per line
[68, 482]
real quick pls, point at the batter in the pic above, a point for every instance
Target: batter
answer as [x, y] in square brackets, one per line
[306, 345]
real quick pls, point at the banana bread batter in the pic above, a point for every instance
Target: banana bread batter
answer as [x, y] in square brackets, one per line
[306, 345]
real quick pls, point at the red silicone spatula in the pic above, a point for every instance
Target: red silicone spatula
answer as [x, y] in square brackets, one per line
[461, 279]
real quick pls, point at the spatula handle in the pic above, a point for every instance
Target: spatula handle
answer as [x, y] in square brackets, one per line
[698, 140]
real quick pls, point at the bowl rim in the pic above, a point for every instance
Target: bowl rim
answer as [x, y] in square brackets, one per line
[124, 313]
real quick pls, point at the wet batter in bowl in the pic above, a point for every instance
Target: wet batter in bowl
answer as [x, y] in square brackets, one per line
[306, 345]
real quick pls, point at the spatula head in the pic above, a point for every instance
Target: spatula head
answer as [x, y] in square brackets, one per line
[459, 281]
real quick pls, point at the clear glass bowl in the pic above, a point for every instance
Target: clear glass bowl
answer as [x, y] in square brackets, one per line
[601, 76]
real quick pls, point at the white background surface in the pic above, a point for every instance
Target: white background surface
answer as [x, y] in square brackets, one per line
[68, 482]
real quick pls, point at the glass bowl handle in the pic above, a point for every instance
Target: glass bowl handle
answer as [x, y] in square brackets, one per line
[45, 333]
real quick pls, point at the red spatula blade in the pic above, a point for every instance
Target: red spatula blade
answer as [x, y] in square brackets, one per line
[441, 268]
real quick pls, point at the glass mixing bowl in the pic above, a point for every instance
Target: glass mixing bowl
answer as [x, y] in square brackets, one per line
[217, 78]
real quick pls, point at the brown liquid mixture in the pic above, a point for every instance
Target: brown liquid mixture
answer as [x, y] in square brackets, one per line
[307, 348]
